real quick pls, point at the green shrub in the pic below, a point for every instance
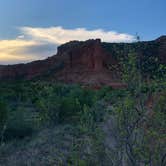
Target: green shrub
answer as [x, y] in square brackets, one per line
[20, 124]
[3, 114]
[69, 109]
[3, 120]
[49, 109]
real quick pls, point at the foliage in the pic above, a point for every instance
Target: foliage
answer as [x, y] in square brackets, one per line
[20, 123]
[33, 104]
[3, 114]
[3, 120]
[140, 129]
[147, 54]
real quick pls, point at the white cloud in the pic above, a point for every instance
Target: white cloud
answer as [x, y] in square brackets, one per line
[60, 35]
[38, 43]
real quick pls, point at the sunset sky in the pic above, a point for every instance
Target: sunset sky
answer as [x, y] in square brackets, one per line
[32, 29]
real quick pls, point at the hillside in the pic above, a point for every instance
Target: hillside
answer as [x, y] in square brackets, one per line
[90, 63]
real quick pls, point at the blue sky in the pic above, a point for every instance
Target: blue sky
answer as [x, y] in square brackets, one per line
[22, 20]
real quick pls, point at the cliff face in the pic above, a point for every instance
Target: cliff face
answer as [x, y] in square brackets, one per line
[86, 63]
[87, 55]
[89, 63]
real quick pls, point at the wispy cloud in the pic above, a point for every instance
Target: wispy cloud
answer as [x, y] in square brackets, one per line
[38, 43]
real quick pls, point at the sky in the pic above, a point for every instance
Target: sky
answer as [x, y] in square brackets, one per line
[32, 29]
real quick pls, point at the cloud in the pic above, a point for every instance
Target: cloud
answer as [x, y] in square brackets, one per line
[20, 51]
[38, 43]
[20, 37]
[9, 51]
[60, 35]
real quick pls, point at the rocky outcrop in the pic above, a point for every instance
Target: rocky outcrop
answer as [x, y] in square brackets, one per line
[87, 55]
[85, 63]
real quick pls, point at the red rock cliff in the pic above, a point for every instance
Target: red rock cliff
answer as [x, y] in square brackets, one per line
[85, 62]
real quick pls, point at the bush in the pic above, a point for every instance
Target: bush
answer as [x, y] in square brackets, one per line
[69, 109]
[3, 114]
[49, 109]
[19, 124]
[3, 120]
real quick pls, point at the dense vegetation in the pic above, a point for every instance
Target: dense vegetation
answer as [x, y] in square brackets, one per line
[149, 60]
[44, 123]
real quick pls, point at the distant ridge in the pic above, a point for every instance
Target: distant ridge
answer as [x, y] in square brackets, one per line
[161, 38]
